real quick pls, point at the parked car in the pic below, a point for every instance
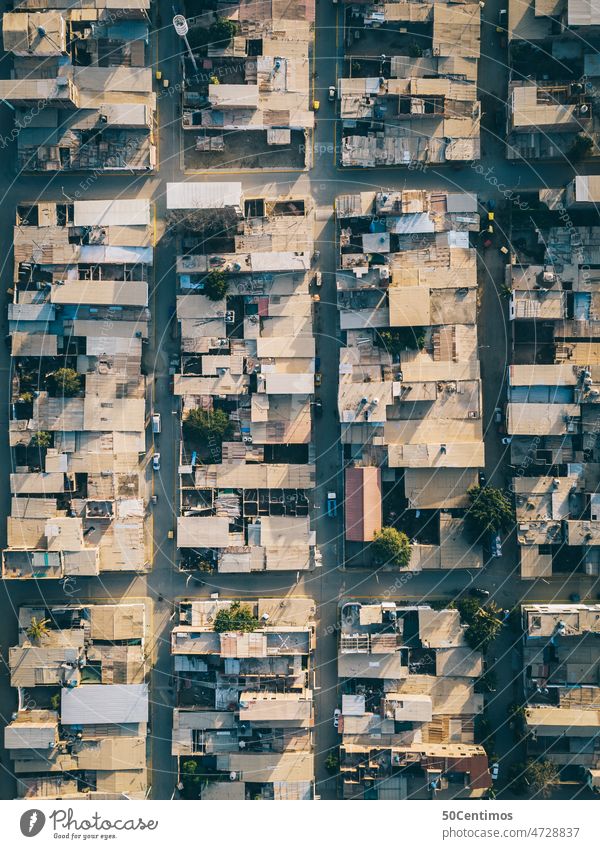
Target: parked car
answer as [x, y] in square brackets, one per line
[156, 423]
[497, 546]
[331, 504]
[318, 408]
[482, 479]
[498, 415]
[336, 717]
[332, 92]
[156, 462]
[318, 378]
[318, 279]
[478, 592]
[495, 770]
[506, 440]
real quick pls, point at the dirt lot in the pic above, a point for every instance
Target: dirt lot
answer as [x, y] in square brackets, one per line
[245, 150]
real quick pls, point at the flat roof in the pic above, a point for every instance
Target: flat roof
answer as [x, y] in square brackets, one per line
[96, 704]
[203, 195]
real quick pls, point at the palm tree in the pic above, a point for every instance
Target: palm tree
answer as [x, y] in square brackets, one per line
[542, 776]
[38, 628]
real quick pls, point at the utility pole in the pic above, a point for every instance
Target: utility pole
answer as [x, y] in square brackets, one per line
[181, 28]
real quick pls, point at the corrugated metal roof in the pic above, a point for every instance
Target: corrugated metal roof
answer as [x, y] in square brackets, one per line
[91, 704]
[203, 195]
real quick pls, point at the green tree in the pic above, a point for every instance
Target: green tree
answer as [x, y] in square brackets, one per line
[41, 439]
[189, 767]
[542, 777]
[397, 339]
[37, 629]
[516, 784]
[238, 617]
[216, 285]
[483, 622]
[490, 511]
[55, 701]
[392, 546]
[221, 32]
[208, 425]
[63, 382]
[580, 148]
[332, 762]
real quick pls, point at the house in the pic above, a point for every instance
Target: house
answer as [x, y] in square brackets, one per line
[406, 728]
[80, 88]
[255, 100]
[409, 396]
[80, 730]
[244, 717]
[551, 105]
[560, 672]
[551, 412]
[80, 304]
[247, 355]
[409, 94]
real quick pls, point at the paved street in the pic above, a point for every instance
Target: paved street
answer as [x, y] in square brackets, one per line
[329, 582]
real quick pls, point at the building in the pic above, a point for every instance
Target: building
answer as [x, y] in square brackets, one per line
[409, 397]
[249, 356]
[551, 414]
[80, 730]
[553, 54]
[561, 661]
[247, 99]
[409, 94]
[243, 725]
[80, 304]
[407, 679]
[80, 87]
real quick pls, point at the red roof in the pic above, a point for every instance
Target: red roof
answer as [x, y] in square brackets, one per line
[362, 503]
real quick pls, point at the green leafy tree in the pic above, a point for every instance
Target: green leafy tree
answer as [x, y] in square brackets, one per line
[542, 777]
[63, 382]
[490, 511]
[41, 439]
[55, 701]
[216, 285]
[397, 339]
[221, 32]
[580, 148]
[392, 547]
[207, 425]
[238, 617]
[37, 629]
[332, 762]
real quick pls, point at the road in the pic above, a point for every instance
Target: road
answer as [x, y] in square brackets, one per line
[329, 582]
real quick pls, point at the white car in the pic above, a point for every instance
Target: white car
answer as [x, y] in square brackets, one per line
[156, 462]
[495, 770]
[497, 546]
[336, 717]
[506, 440]
[156, 423]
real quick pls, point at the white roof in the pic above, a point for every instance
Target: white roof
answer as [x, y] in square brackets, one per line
[113, 213]
[353, 705]
[203, 195]
[92, 704]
